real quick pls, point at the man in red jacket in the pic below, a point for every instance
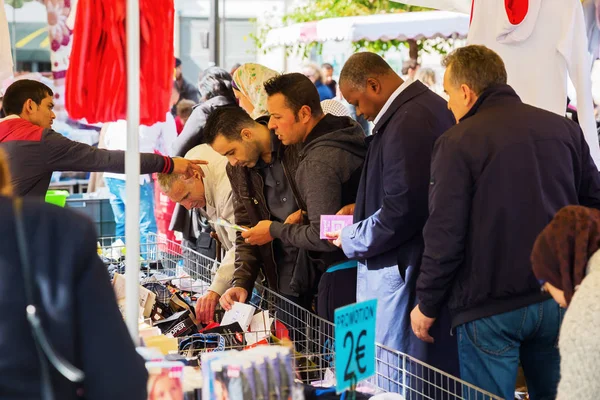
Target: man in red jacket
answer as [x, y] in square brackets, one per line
[35, 151]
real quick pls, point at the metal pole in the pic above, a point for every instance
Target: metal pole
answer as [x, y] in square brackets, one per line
[132, 170]
[213, 32]
[14, 38]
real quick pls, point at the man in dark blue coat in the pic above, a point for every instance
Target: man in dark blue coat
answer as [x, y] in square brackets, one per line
[391, 205]
[497, 178]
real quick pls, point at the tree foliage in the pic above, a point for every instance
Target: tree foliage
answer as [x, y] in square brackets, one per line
[315, 10]
[17, 3]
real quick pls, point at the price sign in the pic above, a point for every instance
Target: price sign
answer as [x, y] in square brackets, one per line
[354, 343]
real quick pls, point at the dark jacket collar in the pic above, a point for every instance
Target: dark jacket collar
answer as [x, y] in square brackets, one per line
[413, 90]
[498, 94]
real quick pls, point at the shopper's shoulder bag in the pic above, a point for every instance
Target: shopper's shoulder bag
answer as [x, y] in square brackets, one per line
[45, 350]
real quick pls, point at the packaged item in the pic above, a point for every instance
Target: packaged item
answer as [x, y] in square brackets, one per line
[259, 329]
[286, 371]
[208, 362]
[178, 324]
[147, 298]
[334, 223]
[239, 375]
[178, 303]
[282, 359]
[202, 342]
[165, 380]
[273, 370]
[233, 334]
[160, 311]
[240, 313]
[164, 344]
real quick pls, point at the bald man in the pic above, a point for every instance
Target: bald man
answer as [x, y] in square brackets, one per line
[391, 204]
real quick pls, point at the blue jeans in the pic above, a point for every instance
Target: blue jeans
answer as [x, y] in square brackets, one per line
[490, 348]
[118, 202]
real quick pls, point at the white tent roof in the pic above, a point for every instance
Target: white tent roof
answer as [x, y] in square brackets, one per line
[399, 26]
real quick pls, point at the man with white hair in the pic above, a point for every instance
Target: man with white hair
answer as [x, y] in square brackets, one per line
[210, 196]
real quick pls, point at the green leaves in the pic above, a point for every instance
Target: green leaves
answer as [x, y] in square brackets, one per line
[316, 10]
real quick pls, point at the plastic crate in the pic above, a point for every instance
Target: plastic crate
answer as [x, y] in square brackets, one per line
[97, 209]
[57, 197]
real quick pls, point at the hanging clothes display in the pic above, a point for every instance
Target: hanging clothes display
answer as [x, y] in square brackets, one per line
[542, 42]
[6, 60]
[96, 86]
[591, 13]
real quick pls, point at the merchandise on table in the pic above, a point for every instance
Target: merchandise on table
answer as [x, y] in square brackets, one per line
[162, 266]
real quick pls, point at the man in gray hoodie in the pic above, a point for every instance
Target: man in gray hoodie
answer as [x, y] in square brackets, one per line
[332, 152]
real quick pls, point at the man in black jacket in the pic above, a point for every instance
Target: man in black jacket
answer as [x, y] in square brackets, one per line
[34, 150]
[497, 178]
[260, 169]
[331, 158]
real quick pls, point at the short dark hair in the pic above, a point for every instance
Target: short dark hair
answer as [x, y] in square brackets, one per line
[477, 67]
[298, 91]
[20, 91]
[215, 82]
[327, 66]
[362, 66]
[184, 108]
[227, 121]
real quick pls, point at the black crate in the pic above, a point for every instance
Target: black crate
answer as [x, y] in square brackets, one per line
[97, 209]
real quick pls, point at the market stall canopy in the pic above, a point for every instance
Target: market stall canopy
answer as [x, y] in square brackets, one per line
[461, 6]
[397, 26]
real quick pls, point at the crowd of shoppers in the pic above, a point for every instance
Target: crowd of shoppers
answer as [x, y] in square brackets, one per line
[456, 224]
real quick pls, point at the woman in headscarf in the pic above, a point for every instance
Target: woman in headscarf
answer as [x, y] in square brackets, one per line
[248, 88]
[566, 260]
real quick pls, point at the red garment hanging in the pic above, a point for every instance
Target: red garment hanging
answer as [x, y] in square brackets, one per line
[96, 81]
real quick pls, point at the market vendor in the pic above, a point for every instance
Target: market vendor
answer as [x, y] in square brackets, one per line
[35, 151]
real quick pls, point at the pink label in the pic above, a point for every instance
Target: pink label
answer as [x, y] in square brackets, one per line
[334, 223]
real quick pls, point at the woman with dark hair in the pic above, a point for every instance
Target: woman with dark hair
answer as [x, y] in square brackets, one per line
[566, 260]
[215, 89]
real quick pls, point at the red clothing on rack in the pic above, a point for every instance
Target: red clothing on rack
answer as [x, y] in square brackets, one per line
[96, 82]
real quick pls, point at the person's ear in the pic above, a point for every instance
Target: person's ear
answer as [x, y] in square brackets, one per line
[197, 175]
[246, 134]
[465, 94]
[30, 106]
[373, 85]
[305, 114]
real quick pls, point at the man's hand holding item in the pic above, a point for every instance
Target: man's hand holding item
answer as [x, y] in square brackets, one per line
[235, 294]
[421, 325]
[259, 234]
[294, 218]
[187, 167]
[205, 307]
[335, 238]
[346, 210]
